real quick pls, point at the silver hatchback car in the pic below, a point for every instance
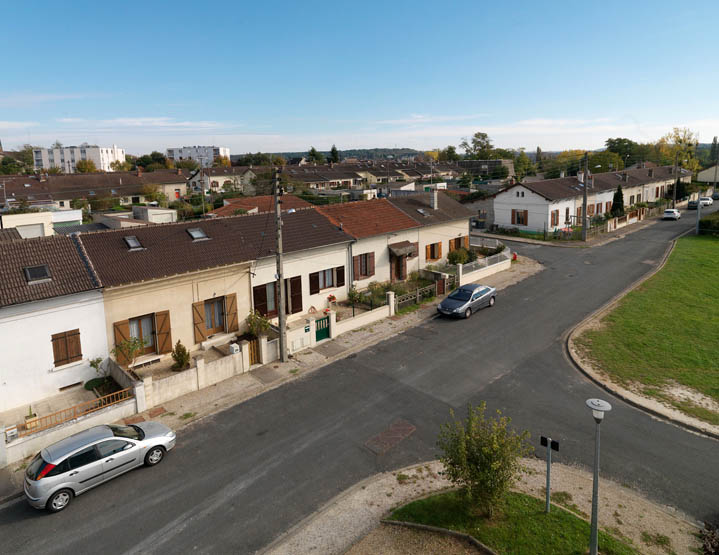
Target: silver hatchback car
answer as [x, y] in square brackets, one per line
[467, 299]
[87, 459]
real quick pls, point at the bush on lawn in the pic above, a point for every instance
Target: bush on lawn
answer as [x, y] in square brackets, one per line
[458, 256]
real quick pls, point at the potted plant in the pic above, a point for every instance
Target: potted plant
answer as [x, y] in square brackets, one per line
[331, 298]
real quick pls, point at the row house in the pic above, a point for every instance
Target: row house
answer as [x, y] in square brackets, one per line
[552, 204]
[234, 178]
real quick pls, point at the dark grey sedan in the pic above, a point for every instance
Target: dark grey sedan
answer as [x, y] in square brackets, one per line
[467, 299]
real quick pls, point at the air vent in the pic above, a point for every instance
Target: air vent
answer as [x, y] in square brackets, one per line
[37, 274]
[197, 234]
[133, 243]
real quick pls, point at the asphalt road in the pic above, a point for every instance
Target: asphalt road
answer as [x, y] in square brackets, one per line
[243, 476]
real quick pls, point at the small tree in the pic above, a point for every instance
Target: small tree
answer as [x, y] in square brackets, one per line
[458, 256]
[85, 166]
[257, 323]
[618, 202]
[482, 456]
[181, 356]
[334, 154]
[129, 349]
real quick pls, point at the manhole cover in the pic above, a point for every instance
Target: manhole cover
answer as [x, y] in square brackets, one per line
[383, 442]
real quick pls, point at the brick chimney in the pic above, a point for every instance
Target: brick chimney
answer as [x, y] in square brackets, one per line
[434, 199]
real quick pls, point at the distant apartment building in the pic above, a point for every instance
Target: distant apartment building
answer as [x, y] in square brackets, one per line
[203, 155]
[66, 157]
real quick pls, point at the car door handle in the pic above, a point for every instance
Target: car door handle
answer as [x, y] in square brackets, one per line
[109, 460]
[73, 473]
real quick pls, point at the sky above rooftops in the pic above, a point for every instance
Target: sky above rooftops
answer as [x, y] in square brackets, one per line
[284, 76]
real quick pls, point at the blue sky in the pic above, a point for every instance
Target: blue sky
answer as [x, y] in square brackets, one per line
[281, 76]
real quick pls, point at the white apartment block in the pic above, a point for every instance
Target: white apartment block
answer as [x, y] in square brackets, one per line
[66, 157]
[204, 155]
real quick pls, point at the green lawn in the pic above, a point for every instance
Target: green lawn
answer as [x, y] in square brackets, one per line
[668, 328]
[523, 527]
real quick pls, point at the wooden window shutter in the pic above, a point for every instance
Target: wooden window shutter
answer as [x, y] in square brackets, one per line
[59, 348]
[514, 216]
[198, 321]
[340, 273]
[466, 242]
[356, 267]
[370, 264]
[121, 331]
[74, 348]
[231, 322]
[296, 294]
[428, 252]
[439, 249]
[526, 217]
[164, 333]
[259, 298]
[314, 283]
[404, 267]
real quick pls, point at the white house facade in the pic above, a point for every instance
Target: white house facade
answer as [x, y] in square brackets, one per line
[203, 155]
[67, 157]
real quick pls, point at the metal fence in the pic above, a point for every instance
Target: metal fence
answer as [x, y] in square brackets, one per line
[71, 413]
[480, 263]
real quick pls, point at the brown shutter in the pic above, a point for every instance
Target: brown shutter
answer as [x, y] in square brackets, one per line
[198, 321]
[74, 348]
[514, 216]
[340, 272]
[59, 348]
[404, 267]
[231, 322]
[259, 297]
[314, 283]
[370, 264]
[356, 267]
[439, 249]
[296, 294]
[122, 333]
[164, 334]
[428, 252]
[466, 242]
[526, 217]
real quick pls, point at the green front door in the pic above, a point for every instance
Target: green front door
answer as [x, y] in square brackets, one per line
[322, 329]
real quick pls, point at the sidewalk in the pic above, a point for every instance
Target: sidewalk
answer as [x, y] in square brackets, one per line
[197, 405]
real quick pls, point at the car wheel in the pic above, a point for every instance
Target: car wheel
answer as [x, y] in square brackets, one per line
[468, 313]
[154, 456]
[491, 301]
[59, 500]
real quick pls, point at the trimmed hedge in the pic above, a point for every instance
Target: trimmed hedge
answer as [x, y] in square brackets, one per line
[710, 224]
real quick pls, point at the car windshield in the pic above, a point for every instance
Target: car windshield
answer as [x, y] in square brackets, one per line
[35, 467]
[130, 432]
[460, 295]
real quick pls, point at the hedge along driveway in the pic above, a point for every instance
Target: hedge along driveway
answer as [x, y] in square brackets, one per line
[667, 330]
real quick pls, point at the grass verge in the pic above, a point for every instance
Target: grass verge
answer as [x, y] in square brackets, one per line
[522, 528]
[665, 330]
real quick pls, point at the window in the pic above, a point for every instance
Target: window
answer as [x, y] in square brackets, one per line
[520, 217]
[144, 329]
[607, 207]
[599, 208]
[130, 432]
[215, 315]
[84, 457]
[264, 297]
[555, 218]
[37, 274]
[455, 244]
[133, 243]
[434, 251]
[112, 446]
[631, 200]
[567, 219]
[639, 197]
[332, 277]
[66, 347]
[135, 200]
[197, 234]
[363, 265]
[62, 204]
[590, 210]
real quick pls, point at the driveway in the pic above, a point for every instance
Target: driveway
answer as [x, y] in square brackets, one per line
[243, 476]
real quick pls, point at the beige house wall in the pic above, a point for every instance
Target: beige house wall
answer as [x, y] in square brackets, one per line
[31, 218]
[177, 294]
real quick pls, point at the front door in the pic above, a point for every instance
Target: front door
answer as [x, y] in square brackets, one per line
[322, 328]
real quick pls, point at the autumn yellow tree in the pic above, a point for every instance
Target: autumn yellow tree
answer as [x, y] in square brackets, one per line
[680, 145]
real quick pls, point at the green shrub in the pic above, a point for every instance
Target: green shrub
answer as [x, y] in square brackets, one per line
[354, 296]
[458, 256]
[710, 224]
[257, 323]
[181, 356]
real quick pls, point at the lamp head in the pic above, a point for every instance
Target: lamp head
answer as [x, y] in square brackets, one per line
[598, 408]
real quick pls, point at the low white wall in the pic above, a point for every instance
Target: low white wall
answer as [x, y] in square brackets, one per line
[484, 272]
[273, 351]
[209, 373]
[343, 326]
[172, 387]
[29, 445]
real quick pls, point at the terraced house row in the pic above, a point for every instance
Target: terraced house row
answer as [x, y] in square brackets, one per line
[65, 300]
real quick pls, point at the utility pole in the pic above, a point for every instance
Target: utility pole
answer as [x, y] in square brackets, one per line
[584, 196]
[716, 167]
[676, 180]
[280, 276]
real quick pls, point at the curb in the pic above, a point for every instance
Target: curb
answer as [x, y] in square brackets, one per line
[444, 531]
[614, 389]
[11, 497]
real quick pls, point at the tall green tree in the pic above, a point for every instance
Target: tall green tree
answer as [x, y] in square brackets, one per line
[334, 155]
[538, 159]
[85, 166]
[314, 156]
[522, 164]
[449, 154]
[714, 152]
[605, 161]
[623, 147]
[478, 147]
[618, 202]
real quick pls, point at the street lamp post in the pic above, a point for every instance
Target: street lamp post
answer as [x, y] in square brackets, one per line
[598, 408]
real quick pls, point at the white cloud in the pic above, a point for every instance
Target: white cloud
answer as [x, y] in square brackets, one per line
[415, 119]
[17, 124]
[141, 122]
[30, 99]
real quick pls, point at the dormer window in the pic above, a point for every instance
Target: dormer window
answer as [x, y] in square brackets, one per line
[37, 274]
[133, 243]
[197, 234]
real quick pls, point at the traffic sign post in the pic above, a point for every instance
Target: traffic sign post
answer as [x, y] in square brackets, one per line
[551, 446]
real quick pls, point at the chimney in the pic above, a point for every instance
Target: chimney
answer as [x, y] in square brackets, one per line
[434, 199]
[651, 172]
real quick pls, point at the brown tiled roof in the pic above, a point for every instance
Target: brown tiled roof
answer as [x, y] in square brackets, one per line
[569, 187]
[9, 233]
[79, 185]
[448, 209]
[367, 218]
[225, 170]
[169, 250]
[68, 271]
[263, 203]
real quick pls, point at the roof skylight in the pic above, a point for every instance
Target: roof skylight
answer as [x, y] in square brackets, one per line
[37, 274]
[133, 243]
[197, 233]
